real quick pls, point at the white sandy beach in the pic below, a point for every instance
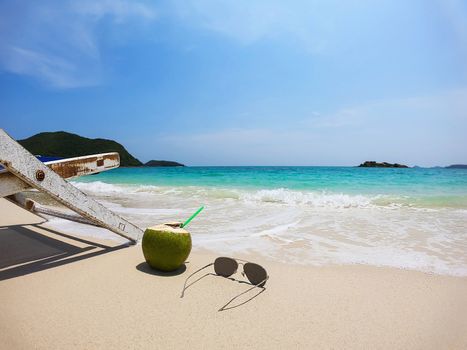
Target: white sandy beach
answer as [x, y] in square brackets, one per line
[60, 291]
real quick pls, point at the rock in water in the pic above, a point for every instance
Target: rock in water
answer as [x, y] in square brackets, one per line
[373, 164]
[457, 166]
[166, 246]
[162, 163]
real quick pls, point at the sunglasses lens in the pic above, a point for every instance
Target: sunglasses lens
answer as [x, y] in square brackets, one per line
[225, 266]
[255, 273]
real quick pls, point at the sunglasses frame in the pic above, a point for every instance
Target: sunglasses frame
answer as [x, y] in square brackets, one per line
[238, 263]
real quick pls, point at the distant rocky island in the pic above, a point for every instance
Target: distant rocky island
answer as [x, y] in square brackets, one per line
[162, 163]
[66, 145]
[457, 166]
[373, 164]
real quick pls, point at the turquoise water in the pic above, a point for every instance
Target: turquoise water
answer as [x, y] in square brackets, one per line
[421, 187]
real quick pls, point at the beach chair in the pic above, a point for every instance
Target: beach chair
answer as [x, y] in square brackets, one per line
[23, 171]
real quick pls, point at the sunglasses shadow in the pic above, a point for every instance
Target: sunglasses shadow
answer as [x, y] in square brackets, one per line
[225, 308]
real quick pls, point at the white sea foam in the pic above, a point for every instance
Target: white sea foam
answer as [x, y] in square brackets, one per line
[280, 195]
[297, 226]
[100, 187]
[322, 199]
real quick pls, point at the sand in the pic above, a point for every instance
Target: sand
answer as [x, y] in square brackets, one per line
[60, 291]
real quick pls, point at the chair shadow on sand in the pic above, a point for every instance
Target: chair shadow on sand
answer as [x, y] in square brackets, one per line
[24, 250]
[225, 308]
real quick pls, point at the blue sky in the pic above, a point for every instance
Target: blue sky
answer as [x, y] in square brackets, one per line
[242, 82]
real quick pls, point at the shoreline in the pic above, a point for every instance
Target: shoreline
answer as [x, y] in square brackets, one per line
[62, 291]
[311, 243]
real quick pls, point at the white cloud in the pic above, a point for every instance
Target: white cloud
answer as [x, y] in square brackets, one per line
[51, 69]
[311, 23]
[426, 110]
[57, 42]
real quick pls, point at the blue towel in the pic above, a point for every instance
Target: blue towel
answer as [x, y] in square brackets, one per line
[43, 159]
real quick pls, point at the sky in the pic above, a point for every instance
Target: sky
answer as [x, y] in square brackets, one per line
[235, 82]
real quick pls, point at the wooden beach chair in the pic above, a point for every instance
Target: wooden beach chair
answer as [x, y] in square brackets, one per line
[24, 171]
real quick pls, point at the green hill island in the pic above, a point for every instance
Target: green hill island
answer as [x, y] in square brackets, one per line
[66, 145]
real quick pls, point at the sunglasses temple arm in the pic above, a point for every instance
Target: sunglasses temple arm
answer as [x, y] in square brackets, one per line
[185, 286]
[239, 295]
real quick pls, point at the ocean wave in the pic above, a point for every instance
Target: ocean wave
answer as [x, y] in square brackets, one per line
[321, 199]
[267, 196]
[100, 187]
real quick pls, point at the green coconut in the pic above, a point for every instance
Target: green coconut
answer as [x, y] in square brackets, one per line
[166, 246]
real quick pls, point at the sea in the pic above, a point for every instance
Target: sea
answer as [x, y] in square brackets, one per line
[413, 218]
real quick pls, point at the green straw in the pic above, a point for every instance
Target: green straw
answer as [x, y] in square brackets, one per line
[192, 217]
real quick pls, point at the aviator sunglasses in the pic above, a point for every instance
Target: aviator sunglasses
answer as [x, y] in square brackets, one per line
[226, 267]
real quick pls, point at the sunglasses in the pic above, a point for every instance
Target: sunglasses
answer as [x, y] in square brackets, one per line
[226, 267]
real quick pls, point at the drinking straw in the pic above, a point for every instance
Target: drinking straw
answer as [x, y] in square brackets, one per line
[192, 217]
